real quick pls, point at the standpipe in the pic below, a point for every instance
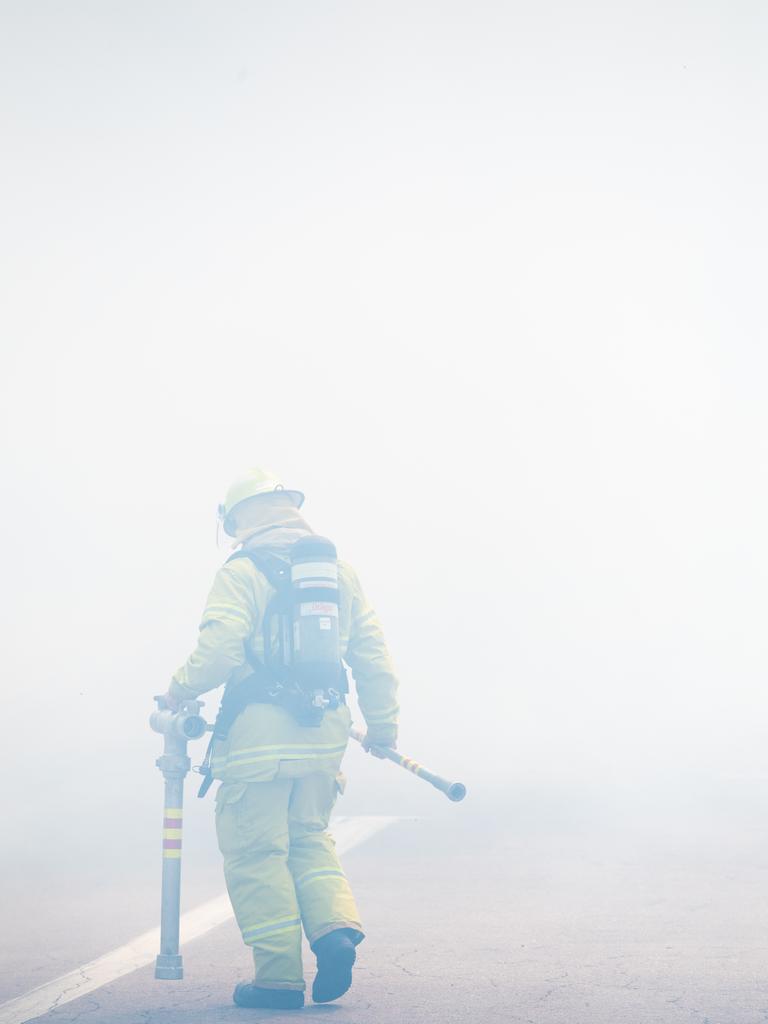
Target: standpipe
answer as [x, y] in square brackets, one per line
[177, 728]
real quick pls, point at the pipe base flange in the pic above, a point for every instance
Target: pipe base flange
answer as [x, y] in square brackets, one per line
[169, 967]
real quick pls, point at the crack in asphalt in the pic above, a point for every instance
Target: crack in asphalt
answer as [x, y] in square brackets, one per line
[84, 979]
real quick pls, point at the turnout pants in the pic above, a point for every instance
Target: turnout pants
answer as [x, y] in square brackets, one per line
[281, 867]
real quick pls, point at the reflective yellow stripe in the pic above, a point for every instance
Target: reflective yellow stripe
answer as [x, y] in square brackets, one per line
[223, 762]
[284, 746]
[280, 924]
[320, 876]
[171, 833]
[382, 717]
[174, 812]
[230, 611]
[294, 751]
[172, 854]
[319, 871]
[253, 939]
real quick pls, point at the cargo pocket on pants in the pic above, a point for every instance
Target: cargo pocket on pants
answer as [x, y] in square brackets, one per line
[229, 803]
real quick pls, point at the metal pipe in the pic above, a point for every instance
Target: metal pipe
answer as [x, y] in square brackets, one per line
[455, 791]
[176, 727]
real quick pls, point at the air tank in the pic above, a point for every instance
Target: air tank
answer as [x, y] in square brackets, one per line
[315, 614]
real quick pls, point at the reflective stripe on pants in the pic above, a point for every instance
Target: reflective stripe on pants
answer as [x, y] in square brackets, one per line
[281, 867]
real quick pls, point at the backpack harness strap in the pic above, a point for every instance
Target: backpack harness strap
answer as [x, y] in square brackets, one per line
[269, 682]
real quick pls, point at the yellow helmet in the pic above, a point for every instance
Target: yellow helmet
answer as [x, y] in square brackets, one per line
[251, 484]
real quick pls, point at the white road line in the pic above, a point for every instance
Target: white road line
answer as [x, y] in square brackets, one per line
[142, 950]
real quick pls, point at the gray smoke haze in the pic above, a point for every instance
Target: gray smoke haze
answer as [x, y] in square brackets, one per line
[486, 281]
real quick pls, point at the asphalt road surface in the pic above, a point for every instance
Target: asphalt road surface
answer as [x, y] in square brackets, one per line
[540, 909]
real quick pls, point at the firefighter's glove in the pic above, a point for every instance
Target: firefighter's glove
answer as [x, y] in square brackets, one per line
[380, 736]
[171, 702]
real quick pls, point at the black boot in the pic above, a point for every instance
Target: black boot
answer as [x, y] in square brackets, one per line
[248, 994]
[335, 954]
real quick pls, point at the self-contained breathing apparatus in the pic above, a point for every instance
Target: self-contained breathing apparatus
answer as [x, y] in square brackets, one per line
[302, 669]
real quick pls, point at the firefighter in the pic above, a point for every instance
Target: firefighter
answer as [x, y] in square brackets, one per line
[278, 754]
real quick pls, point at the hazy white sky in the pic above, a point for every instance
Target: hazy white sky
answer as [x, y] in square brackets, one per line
[485, 280]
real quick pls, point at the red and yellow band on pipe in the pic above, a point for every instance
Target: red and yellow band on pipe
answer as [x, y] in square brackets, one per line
[172, 826]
